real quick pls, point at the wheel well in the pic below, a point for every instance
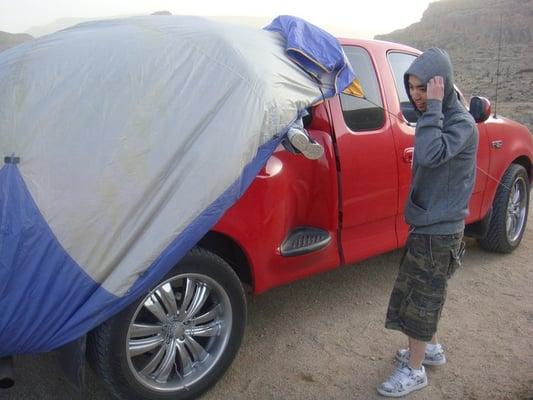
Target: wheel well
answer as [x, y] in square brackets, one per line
[231, 252]
[526, 163]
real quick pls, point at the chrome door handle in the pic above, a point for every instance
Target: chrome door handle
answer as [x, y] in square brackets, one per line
[408, 155]
[497, 144]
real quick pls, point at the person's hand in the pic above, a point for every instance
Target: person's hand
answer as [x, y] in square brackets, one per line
[435, 88]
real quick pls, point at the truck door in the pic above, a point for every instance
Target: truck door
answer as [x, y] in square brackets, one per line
[368, 169]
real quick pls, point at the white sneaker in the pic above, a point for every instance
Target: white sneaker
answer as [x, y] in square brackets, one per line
[436, 357]
[303, 143]
[403, 380]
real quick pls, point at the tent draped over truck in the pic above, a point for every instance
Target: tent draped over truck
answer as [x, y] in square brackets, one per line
[123, 142]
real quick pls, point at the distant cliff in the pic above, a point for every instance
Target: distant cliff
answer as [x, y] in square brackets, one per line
[8, 40]
[469, 23]
[470, 31]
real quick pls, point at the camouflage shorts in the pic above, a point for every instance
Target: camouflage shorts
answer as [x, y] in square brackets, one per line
[420, 290]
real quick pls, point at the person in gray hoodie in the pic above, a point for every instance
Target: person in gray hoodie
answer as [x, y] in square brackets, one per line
[444, 163]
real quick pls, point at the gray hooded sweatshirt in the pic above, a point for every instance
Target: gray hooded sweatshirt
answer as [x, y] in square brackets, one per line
[444, 161]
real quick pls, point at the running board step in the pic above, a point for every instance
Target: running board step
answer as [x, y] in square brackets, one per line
[304, 240]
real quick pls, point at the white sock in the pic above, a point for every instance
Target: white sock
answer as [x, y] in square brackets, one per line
[433, 348]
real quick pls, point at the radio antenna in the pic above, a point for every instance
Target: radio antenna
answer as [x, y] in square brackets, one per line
[498, 69]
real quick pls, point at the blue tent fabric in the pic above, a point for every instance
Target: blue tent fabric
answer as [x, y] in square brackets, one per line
[317, 51]
[80, 150]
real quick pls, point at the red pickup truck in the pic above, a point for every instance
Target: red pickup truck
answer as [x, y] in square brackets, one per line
[301, 217]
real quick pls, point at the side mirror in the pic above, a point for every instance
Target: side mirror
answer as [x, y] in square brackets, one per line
[409, 112]
[480, 108]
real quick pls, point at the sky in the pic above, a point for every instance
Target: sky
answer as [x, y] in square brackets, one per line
[355, 18]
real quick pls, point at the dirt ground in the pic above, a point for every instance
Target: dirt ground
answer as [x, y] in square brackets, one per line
[323, 338]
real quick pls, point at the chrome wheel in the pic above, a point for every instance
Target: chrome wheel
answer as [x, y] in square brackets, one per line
[178, 332]
[508, 219]
[516, 209]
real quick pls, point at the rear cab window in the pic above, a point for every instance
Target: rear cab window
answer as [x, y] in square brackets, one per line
[363, 114]
[399, 63]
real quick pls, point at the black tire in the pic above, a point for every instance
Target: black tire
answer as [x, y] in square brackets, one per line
[109, 345]
[498, 238]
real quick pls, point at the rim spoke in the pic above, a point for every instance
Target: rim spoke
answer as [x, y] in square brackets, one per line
[153, 305]
[509, 223]
[516, 224]
[516, 194]
[154, 362]
[166, 293]
[208, 316]
[211, 329]
[512, 225]
[197, 351]
[185, 358]
[189, 292]
[513, 193]
[200, 296]
[164, 370]
[140, 330]
[141, 346]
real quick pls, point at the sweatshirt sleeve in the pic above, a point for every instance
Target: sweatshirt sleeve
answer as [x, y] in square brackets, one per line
[434, 145]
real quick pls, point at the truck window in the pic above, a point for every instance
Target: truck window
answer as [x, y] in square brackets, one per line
[399, 63]
[363, 114]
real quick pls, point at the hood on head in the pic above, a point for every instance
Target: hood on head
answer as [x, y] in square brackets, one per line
[430, 63]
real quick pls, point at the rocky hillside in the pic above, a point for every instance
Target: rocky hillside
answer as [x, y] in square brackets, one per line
[470, 31]
[8, 40]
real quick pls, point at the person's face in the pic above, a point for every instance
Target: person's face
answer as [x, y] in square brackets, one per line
[418, 93]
